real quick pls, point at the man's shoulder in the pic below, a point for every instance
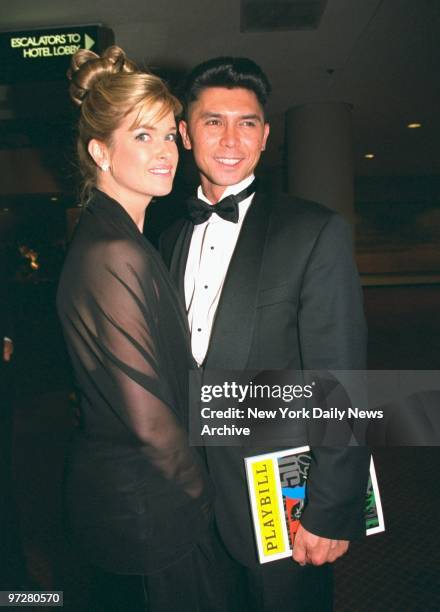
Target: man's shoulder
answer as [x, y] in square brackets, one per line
[305, 218]
[292, 207]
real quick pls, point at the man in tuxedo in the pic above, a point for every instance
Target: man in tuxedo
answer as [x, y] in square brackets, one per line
[269, 282]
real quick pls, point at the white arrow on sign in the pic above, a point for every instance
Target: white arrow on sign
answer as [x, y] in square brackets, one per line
[88, 42]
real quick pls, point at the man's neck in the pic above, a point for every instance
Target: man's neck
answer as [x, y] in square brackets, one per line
[214, 193]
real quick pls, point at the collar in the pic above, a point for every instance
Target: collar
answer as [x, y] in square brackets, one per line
[231, 189]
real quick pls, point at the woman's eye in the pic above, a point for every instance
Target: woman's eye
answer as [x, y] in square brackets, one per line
[143, 137]
[172, 137]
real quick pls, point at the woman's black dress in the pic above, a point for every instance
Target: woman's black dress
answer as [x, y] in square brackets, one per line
[137, 496]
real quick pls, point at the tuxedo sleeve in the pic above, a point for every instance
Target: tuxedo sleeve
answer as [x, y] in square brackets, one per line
[333, 337]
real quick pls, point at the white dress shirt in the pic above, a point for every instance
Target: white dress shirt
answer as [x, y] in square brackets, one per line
[212, 246]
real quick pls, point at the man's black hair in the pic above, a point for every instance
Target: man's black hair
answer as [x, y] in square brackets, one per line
[229, 72]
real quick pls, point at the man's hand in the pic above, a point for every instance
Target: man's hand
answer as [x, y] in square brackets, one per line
[8, 349]
[313, 549]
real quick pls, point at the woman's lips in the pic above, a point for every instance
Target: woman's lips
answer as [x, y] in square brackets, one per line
[161, 170]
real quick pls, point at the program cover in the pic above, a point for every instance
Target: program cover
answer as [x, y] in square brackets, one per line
[277, 490]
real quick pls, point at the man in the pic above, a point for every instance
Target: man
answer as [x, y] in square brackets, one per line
[276, 288]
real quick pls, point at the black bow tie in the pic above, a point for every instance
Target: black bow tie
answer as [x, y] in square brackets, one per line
[227, 209]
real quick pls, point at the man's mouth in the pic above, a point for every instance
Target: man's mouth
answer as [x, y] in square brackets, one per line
[229, 161]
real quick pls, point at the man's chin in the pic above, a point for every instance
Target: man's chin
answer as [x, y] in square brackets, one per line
[226, 179]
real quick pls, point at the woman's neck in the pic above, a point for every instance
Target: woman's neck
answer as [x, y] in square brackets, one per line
[134, 204]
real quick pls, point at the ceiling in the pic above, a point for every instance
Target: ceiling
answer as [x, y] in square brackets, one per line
[381, 56]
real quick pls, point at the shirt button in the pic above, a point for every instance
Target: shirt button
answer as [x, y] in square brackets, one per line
[206, 286]
[212, 248]
[199, 329]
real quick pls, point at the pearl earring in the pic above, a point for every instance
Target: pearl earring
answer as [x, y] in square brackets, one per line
[105, 167]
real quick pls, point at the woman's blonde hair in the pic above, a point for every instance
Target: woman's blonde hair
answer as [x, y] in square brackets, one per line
[108, 88]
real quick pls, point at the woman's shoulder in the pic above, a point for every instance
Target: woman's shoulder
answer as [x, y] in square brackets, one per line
[103, 255]
[101, 238]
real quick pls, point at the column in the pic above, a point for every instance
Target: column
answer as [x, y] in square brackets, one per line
[320, 155]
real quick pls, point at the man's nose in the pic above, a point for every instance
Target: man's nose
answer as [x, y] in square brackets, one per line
[229, 136]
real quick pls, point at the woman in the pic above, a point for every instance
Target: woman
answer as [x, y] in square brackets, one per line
[137, 496]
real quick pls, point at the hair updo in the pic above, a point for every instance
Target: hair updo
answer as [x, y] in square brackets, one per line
[107, 88]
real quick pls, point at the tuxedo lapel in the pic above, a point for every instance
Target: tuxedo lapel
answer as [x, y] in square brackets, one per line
[233, 327]
[179, 257]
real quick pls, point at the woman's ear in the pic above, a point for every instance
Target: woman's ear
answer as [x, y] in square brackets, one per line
[98, 151]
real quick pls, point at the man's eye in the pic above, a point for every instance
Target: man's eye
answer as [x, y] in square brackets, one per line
[213, 122]
[248, 123]
[143, 137]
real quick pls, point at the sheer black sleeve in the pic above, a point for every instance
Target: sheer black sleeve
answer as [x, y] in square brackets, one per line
[121, 312]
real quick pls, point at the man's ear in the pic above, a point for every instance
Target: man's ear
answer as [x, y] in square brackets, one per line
[265, 135]
[183, 129]
[98, 151]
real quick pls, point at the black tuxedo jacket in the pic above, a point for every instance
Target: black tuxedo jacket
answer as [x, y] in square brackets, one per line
[291, 300]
